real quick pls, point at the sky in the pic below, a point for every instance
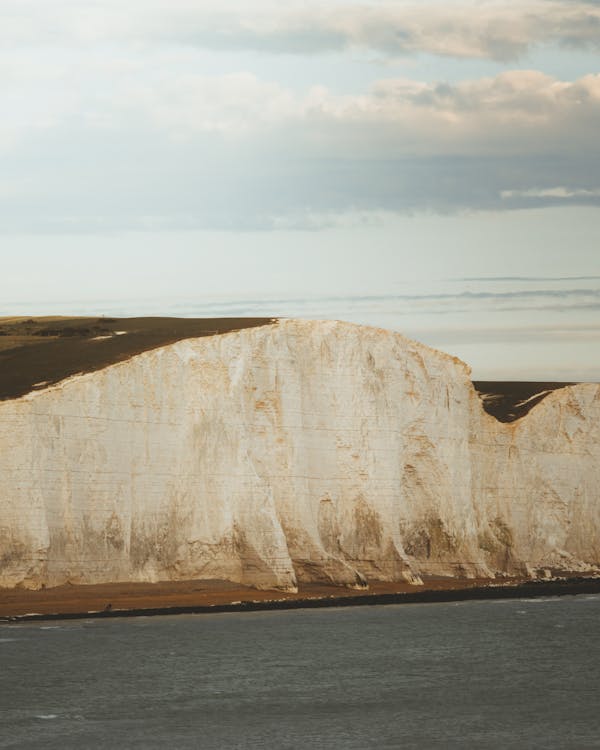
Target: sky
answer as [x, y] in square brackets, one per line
[430, 167]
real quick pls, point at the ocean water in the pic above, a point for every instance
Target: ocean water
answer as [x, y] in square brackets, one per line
[506, 674]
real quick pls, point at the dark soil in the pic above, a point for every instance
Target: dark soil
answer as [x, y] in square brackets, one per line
[504, 399]
[35, 353]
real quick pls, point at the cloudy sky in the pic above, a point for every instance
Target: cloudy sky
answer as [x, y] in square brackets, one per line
[430, 166]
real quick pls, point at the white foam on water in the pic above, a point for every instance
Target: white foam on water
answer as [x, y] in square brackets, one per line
[46, 716]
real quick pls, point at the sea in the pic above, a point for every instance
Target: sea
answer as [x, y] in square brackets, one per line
[485, 674]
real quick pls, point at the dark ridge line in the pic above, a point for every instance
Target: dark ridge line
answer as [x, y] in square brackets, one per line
[43, 352]
[40, 352]
[503, 399]
[531, 589]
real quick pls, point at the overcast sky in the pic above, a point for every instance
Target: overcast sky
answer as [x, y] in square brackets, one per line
[432, 167]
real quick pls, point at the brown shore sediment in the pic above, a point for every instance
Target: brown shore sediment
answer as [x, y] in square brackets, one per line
[205, 597]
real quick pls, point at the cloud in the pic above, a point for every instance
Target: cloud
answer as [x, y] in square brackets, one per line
[463, 29]
[112, 120]
[104, 151]
[519, 111]
[415, 310]
[560, 193]
[496, 279]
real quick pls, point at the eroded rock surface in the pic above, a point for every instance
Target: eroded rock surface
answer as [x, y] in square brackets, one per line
[297, 451]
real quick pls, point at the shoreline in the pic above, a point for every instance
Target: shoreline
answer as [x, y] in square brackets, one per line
[451, 591]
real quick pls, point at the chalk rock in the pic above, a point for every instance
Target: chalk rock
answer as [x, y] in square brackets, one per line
[298, 451]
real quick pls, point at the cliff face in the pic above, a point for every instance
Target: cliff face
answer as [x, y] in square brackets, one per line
[296, 451]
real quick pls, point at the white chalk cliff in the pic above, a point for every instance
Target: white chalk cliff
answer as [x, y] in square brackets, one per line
[297, 451]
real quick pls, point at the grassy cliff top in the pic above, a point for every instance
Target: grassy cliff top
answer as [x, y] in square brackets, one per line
[37, 352]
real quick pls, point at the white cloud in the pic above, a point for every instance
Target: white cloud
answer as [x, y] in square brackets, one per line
[113, 122]
[230, 104]
[464, 28]
[93, 148]
[560, 193]
[518, 111]
[523, 112]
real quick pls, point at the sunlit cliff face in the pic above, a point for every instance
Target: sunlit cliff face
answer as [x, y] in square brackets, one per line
[298, 451]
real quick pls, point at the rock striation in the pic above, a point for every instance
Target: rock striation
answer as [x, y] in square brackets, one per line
[297, 451]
